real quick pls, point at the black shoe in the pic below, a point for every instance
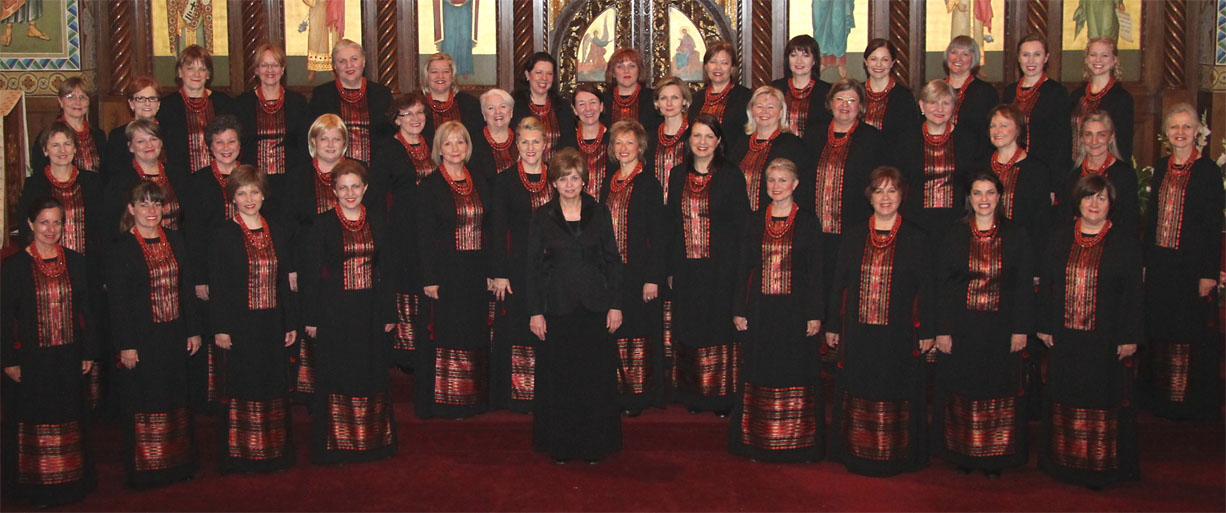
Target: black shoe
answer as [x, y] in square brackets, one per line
[723, 414]
[560, 461]
[993, 475]
[632, 412]
[962, 471]
[593, 461]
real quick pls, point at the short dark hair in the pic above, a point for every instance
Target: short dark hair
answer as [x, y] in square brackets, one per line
[712, 51]
[192, 54]
[403, 102]
[849, 84]
[142, 125]
[983, 176]
[1090, 185]
[58, 127]
[350, 167]
[586, 87]
[220, 124]
[564, 162]
[802, 43]
[245, 175]
[144, 190]
[888, 174]
[712, 122]
[1015, 115]
[40, 204]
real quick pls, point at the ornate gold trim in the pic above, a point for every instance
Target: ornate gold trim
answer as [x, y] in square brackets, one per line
[702, 16]
[572, 22]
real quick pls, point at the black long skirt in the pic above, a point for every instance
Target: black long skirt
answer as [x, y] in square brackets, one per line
[452, 370]
[706, 360]
[780, 414]
[513, 353]
[256, 419]
[576, 411]
[159, 445]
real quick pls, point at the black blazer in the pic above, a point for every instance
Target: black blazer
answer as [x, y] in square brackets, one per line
[566, 270]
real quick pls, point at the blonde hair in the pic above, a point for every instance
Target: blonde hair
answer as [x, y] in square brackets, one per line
[1100, 116]
[1115, 52]
[343, 44]
[937, 89]
[323, 124]
[627, 125]
[445, 131]
[1181, 107]
[752, 126]
[529, 124]
[686, 97]
[425, 70]
[784, 165]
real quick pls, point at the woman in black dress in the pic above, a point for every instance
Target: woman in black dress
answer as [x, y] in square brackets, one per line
[254, 317]
[1044, 105]
[519, 191]
[46, 296]
[891, 107]
[145, 144]
[722, 95]
[445, 100]
[453, 209]
[361, 104]
[185, 113]
[537, 95]
[985, 294]
[781, 414]
[666, 144]
[1025, 194]
[275, 122]
[494, 146]
[767, 137]
[143, 99]
[708, 207]
[635, 200]
[1091, 318]
[880, 306]
[591, 137]
[627, 96]
[90, 141]
[152, 316]
[974, 97]
[572, 290]
[1103, 91]
[805, 91]
[1182, 256]
[348, 308]
[1100, 155]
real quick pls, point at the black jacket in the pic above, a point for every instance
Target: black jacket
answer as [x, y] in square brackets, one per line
[566, 270]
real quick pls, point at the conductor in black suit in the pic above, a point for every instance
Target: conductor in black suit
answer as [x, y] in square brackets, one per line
[572, 291]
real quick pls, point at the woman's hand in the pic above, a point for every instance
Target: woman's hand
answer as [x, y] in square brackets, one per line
[1207, 286]
[925, 345]
[1017, 342]
[650, 292]
[741, 323]
[945, 343]
[1045, 338]
[502, 287]
[812, 327]
[832, 339]
[430, 290]
[222, 340]
[202, 292]
[14, 373]
[1126, 350]
[290, 337]
[311, 331]
[537, 324]
[489, 285]
[86, 366]
[387, 328]
[128, 358]
[293, 282]
[193, 344]
[613, 320]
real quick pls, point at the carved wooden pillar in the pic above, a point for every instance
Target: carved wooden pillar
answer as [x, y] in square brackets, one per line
[524, 32]
[387, 67]
[760, 34]
[120, 15]
[1174, 23]
[900, 37]
[1036, 17]
[255, 31]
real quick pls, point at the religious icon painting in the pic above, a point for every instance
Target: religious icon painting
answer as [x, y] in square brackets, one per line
[1088, 19]
[467, 31]
[841, 30]
[596, 46]
[38, 43]
[178, 24]
[312, 28]
[685, 48]
[982, 20]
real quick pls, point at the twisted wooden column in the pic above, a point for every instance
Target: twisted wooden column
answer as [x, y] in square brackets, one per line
[254, 32]
[1036, 18]
[760, 61]
[120, 14]
[386, 66]
[522, 32]
[900, 37]
[1174, 21]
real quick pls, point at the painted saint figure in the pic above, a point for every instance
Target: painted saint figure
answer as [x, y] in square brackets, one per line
[1098, 18]
[455, 31]
[325, 25]
[593, 63]
[21, 11]
[190, 23]
[971, 18]
[832, 22]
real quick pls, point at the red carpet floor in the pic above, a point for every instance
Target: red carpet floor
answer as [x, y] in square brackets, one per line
[672, 461]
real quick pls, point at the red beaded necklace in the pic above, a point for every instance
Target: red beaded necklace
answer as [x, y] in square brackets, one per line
[417, 151]
[1001, 168]
[984, 234]
[72, 178]
[463, 189]
[259, 240]
[351, 96]
[619, 184]
[699, 182]
[961, 92]
[1087, 242]
[802, 92]
[1025, 94]
[270, 106]
[937, 140]
[541, 110]
[160, 177]
[1171, 166]
[194, 104]
[533, 187]
[499, 146]
[840, 141]
[145, 246]
[352, 226]
[625, 101]
[883, 241]
[667, 141]
[713, 98]
[878, 96]
[1094, 98]
[776, 229]
[442, 107]
[1086, 170]
[757, 145]
[586, 147]
[55, 267]
[325, 178]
